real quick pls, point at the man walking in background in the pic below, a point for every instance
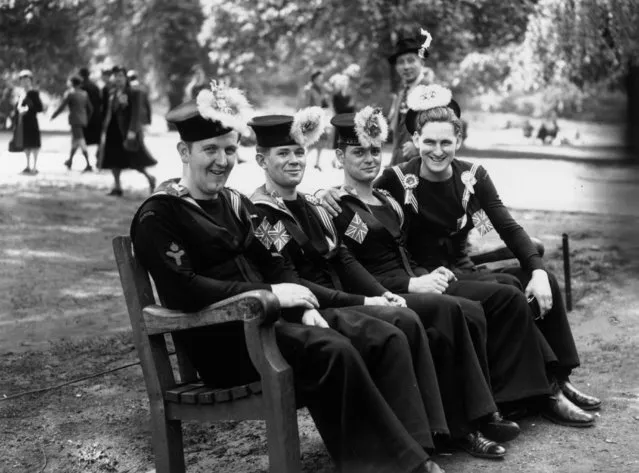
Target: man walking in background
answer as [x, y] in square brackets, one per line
[80, 111]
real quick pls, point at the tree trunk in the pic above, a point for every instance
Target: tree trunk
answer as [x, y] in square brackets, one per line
[175, 95]
[632, 121]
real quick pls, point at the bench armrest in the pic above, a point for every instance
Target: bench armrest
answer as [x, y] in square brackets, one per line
[262, 305]
[502, 253]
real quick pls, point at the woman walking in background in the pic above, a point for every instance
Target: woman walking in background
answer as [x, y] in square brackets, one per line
[122, 142]
[26, 133]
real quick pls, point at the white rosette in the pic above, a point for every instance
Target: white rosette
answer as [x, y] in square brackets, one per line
[226, 105]
[425, 97]
[371, 127]
[308, 126]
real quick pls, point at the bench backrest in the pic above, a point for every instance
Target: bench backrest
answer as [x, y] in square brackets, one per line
[152, 349]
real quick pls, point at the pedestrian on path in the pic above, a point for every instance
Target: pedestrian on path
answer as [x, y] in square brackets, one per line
[80, 113]
[26, 132]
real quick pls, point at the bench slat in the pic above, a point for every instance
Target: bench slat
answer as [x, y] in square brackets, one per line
[173, 394]
[192, 396]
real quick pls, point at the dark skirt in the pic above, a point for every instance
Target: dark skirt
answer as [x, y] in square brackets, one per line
[114, 156]
[93, 130]
[30, 131]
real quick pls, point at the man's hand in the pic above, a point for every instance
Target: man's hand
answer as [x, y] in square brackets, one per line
[433, 283]
[380, 300]
[313, 318]
[294, 295]
[330, 200]
[450, 276]
[539, 286]
[394, 299]
[409, 150]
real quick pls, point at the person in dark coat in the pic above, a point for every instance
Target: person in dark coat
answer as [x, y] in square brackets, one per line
[296, 226]
[196, 238]
[135, 83]
[443, 199]
[80, 113]
[94, 128]
[408, 60]
[26, 128]
[122, 143]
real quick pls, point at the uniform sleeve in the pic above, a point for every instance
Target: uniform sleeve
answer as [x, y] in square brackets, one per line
[515, 237]
[163, 252]
[355, 277]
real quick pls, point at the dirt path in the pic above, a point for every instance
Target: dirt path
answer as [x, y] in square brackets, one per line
[62, 316]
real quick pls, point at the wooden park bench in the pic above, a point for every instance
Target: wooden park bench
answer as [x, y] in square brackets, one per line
[172, 401]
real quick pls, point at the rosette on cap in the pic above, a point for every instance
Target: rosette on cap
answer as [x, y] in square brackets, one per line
[371, 127]
[425, 97]
[226, 105]
[308, 125]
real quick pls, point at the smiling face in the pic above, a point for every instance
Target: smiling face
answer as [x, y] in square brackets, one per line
[284, 165]
[360, 163]
[408, 66]
[437, 144]
[208, 164]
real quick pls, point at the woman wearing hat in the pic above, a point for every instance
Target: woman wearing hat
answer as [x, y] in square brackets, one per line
[443, 199]
[26, 134]
[122, 142]
[408, 61]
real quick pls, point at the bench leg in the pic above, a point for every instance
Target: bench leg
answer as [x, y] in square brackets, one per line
[167, 444]
[281, 429]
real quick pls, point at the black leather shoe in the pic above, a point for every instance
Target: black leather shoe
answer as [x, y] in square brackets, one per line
[479, 446]
[579, 399]
[116, 192]
[496, 428]
[560, 410]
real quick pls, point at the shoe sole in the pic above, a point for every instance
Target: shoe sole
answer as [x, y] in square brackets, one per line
[566, 423]
[485, 456]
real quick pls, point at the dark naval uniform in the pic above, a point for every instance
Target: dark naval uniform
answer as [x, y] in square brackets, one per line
[439, 217]
[516, 368]
[320, 257]
[297, 231]
[201, 252]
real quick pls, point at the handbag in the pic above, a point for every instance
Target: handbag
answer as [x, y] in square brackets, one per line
[131, 144]
[16, 145]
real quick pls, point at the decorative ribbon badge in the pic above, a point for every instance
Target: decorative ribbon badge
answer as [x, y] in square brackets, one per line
[278, 199]
[261, 233]
[176, 253]
[278, 234]
[410, 183]
[357, 229]
[469, 180]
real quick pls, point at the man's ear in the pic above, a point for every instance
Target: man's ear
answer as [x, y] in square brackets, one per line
[416, 139]
[339, 154]
[184, 151]
[460, 142]
[260, 159]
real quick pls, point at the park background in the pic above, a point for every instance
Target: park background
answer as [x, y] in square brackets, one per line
[62, 314]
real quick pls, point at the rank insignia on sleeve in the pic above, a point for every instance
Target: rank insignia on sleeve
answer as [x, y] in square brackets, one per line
[262, 233]
[278, 234]
[357, 229]
[481, 222]
[176, 253]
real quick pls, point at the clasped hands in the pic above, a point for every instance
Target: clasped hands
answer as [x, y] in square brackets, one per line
[435, 282]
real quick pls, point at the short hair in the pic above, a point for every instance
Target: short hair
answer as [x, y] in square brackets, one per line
[76, 81]
[315, 73]
[438, 114]
[84, 72]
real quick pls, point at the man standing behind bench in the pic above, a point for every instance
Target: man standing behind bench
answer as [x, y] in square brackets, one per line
[197, 240]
